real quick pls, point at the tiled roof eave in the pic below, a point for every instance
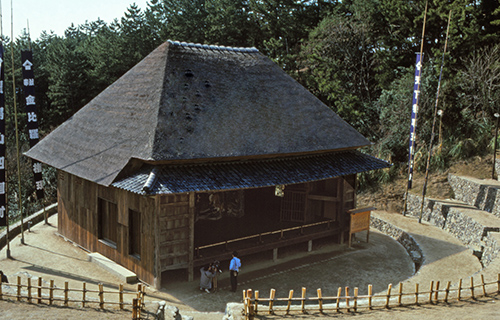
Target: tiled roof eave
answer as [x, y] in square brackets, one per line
[249, 174]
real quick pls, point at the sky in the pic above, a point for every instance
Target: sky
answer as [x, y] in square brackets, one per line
[57, 15]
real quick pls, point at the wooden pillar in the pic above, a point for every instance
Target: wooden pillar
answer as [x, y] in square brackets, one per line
[275, 254]
[309, 246]
[192, 204]
[156, 232]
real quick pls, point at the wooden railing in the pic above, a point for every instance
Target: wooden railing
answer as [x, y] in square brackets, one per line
[265, 236]
[51, 294]
[352, 302]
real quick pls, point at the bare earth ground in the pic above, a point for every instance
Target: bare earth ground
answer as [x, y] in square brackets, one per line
[379, 262]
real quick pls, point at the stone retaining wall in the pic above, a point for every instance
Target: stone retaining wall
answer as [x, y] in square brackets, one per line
[480, 195]
[448, 216]
[402, 237]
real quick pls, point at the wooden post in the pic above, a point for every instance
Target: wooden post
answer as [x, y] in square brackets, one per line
[320, 300]
[248, 303]
[431, 291]
[29, 290]
[459, 289]
[134, 309]
[290, 296]
[436, 295]
[18, 288]
[0, 288]
[347, 298]
[66, 293]
[447, 292]
[51, 292]
[272, 295]
[355, 299]
[84, 291]
[370, 295]
[416, 294]
[120, 294]
[472, 288]
[303, 302]
[256, 301]
[139, 294]
[39, 290]
[101, 296]
[339, 292]
[275, 254]
[389, 288]
[400, 294]
[482, 284]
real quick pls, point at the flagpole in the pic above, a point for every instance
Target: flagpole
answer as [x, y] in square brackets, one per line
[411, 152]
[15, 119]
[434, 122]
[5, 162]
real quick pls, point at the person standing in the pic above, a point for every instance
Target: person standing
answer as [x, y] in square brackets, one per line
[234, 268]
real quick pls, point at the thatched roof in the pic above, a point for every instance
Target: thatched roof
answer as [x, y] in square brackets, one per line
[186, 102]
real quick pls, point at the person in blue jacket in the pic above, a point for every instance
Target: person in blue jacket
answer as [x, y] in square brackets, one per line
[234, 269]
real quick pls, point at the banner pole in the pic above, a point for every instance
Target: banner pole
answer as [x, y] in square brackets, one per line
[434, 123]
[413, 144]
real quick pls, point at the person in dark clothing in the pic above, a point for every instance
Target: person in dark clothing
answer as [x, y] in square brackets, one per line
[4, 277]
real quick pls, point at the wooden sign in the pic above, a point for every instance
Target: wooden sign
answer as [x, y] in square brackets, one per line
[360, 221]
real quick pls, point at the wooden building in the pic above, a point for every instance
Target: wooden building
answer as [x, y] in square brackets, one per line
[189, 148]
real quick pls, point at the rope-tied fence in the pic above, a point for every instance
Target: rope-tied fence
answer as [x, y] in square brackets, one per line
[351, 302]
[40, 292]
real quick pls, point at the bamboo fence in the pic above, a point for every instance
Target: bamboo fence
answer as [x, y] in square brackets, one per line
[38, 293]
[393, 297]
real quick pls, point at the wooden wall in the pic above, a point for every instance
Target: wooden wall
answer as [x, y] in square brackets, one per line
[78, 221]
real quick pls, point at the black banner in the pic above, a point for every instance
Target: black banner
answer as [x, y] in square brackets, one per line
[3, 188]
[31, 113]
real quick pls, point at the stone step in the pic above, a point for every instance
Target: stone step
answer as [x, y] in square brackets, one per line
[111, 266]
[483, 194]
[475, 228]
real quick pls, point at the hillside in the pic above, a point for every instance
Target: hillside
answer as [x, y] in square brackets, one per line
[389, 197]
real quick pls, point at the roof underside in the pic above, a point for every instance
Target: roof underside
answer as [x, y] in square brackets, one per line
[185, 102]
[154, 180]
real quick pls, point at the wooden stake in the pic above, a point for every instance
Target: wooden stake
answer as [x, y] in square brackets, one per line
[256, 301]
[248, 303]
[389, 288]
[339, 292]
[400, 293]
[436, 295]
[482, 284]
[416, 294]
[272, 295]
[0, 288]
[459, 289]
[39, 290]
[120, 295]
[431, 291]
[498, 283]
[66, 293]
[370, 292]
[303, 302]
[29, 290]
[447, 291]
[347, 298]
[355, 299]
[18, 288]
[51, 292]
[290, 296]
[84, 291]
[472, 288]
[134, 309]
[320, 300]
[101, 297]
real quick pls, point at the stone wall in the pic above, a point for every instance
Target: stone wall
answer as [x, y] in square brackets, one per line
[456, 218]
[402, 237]
[477, 193]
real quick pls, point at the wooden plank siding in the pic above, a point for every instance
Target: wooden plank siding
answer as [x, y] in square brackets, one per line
[78, 221]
